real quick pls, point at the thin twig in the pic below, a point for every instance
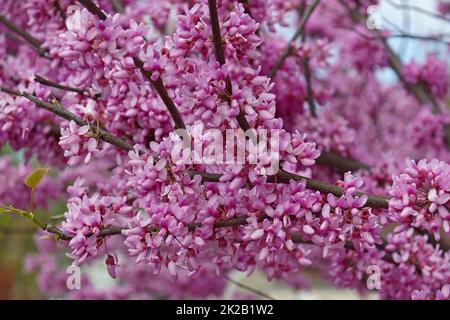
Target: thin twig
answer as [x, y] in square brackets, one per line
[287, 51]
[418, 90]
[244, 286]
[24, 35]
[163, 94]
[118, 6]
[66, 114]
[220, 56]
[93, 8]
[418, 9]
[49, 83]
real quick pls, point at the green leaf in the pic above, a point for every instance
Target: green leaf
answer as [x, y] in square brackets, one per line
[35, 177]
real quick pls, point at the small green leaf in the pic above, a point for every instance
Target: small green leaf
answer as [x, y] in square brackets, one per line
[35, 177]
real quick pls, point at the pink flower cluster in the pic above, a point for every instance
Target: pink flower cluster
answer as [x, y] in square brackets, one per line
[85, 218]
[421, 197]
[79, 144]
[411, 253]
[444, 7]
[434, 73]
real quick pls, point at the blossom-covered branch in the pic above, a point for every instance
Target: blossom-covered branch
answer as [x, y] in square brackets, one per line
[220, 56]
[66, 114]
[158, 84]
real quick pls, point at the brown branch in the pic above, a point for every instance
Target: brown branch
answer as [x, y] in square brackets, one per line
[66, 114]
[419, 90]
[309, 90]
[118, 6]
[287, 51]
[163, 94]
[24, 35]
[93, 8]
[220, 56]
[330, 158]
[217, 37]
[158, 84]
[244, 286]
[373, 201]
[49, 83]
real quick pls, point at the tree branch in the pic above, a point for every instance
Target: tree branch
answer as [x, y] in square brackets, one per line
[287, 51]
[49, 83]
[66, 114]
[309, 90]
[330, 158]
[158, 84]
[220, 56]
[24, 35]
[93, 8]
[163, 94]
[118, 6]
[419, 90]
[373, 201]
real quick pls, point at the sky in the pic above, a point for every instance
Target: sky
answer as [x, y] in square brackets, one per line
[420, 25]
